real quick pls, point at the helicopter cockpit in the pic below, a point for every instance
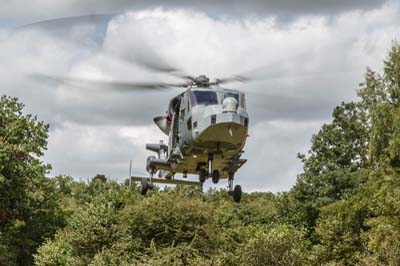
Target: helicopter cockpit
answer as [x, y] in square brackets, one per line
[203, 97]
[212, 97]
[193, 105]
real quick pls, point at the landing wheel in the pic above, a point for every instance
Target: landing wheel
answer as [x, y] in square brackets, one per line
[202, 175]
[144, 188]
[237, 193]
[215, 176]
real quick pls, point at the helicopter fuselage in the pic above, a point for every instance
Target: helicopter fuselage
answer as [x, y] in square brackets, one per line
[207, 128]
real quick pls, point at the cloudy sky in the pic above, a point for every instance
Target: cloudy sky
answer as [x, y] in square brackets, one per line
[309, 55]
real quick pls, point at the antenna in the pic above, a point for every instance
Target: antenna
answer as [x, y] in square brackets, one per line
[130, 174]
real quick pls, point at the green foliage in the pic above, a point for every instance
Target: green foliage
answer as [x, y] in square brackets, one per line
[56, 252]
[382, 242]
[334, 168]
[171, 218]
[92, 227]
[273, 245]
[29, 212]
[340, 227]
[349, 190]
[173, 227]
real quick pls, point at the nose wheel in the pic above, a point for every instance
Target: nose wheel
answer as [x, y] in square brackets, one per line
[147, 183]
[215, 176]
[145, 186]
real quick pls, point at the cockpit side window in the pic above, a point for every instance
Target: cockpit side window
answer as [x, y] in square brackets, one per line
[204, 97]
[233, 95]
[238, 96]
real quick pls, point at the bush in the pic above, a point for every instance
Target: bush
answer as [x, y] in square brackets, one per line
[273, 245]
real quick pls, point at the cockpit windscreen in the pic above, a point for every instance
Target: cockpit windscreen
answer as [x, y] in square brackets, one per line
[204, 97]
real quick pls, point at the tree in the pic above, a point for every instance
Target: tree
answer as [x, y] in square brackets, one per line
[274, 245]
[340, 228]
[383, 92]
[28, 206]
[365, 228]
[334, 167]
[180, 226]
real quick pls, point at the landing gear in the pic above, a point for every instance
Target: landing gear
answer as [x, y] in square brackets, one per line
[203, 175]
[148, 182]
[145, 187]
[215, 176]
[210, 159]
[235, 192]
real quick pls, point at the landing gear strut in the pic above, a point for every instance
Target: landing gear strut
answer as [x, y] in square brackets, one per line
[145, 186]
[235, 192]
[214, 174]
[210, 160]
[148, 183]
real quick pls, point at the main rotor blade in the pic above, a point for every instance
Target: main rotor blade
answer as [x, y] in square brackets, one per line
[57, 23]
[146, 57]
[104, 84]
[276, 73]
[154, 62]
[236, 78]
[269, 71]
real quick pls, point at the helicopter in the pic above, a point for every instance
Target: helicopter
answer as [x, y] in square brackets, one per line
[207, 126]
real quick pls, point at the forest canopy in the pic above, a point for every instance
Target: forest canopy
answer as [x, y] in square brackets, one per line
[342, 210]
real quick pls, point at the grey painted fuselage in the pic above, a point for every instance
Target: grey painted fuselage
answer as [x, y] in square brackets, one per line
[207, 126]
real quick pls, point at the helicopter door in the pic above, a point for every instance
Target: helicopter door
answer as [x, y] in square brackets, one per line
[174, 136]
[182, 115]
[185, 122]
[181, 112]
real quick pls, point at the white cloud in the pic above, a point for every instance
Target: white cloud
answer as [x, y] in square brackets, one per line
[84, 151]
[271, 151]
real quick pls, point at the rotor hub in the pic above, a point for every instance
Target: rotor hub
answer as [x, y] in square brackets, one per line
[202, 81]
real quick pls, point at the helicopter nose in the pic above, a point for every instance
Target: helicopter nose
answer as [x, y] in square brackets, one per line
[227, 118]
[228, 128]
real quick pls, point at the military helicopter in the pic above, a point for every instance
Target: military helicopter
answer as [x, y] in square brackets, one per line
[207, 127]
